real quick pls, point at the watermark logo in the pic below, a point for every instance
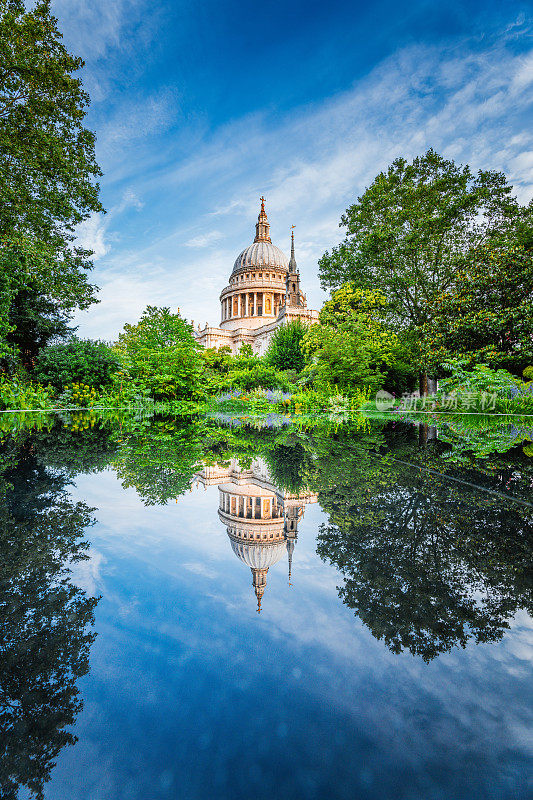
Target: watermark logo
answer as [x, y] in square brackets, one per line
[384, 400]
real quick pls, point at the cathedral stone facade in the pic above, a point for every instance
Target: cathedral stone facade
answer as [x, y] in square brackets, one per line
[263, 293]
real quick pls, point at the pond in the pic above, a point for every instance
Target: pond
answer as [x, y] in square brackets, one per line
[232, 608]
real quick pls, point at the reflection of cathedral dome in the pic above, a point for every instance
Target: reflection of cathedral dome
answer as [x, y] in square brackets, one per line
[260, 555]
[261, 254]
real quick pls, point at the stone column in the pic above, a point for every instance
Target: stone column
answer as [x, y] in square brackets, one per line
[255, 304]
[246, 303]
[262, 304]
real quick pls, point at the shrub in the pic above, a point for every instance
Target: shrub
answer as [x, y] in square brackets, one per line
[84, 361]
[160, 354]
[17, 394]
[259, 375]
[285, 351]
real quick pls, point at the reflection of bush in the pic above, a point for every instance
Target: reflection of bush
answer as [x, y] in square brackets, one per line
[161, 461]
[287, 465]
[45, 620]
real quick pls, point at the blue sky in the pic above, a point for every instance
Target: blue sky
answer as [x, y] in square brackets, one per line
[199, 108]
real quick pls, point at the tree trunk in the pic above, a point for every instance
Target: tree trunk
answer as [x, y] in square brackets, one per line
[426, 384]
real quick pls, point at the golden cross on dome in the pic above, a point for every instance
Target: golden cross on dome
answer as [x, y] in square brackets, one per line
[262, 203]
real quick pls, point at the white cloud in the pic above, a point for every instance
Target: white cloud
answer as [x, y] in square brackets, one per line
[91, 235]
[92, 28]
[310, 164]
[205, 239]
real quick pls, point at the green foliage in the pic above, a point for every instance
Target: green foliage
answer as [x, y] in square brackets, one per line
[480, 389]
[350, 344]
[47, 163]
[480, 379]
[408, 230]
[78, 361]
[35, 319]
[39, 290]
[16, 393]
[488, 313]
[48, 175]
[160, 354]
[216, 361]
[285, 348]
[528, 374]
[255, 376]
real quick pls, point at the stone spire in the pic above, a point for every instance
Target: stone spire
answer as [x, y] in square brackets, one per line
[293, 267]
[293, 295]
[262, 227]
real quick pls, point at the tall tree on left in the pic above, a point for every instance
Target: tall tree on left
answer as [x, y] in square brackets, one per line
[48, 181]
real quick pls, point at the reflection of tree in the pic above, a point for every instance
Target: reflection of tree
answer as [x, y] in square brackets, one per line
[287, 461]
[160, 461]
[428, 563]
[45, 619]
[83, 443]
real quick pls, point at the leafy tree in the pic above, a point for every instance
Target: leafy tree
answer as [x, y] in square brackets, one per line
[217, 361]
[391, 355]
[79, 360]
[34, 319]
[354, 345]
[487, 316]
[409, 231]
[285, 348]
[48, 169]
[160, 354]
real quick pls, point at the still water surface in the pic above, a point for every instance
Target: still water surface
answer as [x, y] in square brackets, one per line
[392, 655]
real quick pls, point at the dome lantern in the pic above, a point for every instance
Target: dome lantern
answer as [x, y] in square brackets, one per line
[262, 227]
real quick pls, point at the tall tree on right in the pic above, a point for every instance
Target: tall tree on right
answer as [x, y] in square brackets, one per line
[408, 234]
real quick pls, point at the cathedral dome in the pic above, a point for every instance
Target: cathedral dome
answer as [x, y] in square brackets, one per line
[261, 254]
[259, 556]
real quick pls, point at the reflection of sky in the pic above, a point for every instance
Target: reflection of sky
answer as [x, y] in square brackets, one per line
[192, 695]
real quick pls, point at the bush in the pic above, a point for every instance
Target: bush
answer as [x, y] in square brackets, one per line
[78, 361]
[160, 355]
[259, 375]
[285, 351]
[17, 394]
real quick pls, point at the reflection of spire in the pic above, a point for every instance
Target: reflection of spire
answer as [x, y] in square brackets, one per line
[290, 550]
[259, 580]
[262, 228]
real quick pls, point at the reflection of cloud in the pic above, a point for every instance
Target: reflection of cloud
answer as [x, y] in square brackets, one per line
[87, 574]
[166, 634]
[199, 568]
